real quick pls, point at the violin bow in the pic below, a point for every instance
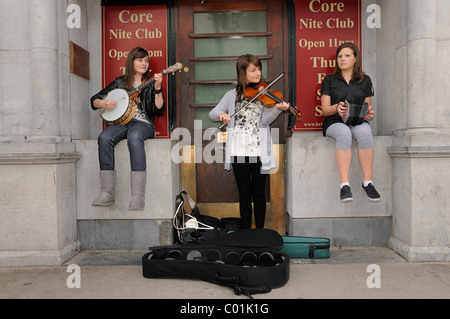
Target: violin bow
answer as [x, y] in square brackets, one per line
[254, 98]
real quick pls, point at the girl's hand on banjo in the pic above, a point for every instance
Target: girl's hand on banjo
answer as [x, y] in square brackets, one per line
[109, 104]
[158, 80]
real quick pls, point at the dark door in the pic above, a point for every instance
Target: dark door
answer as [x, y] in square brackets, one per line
[211, 36]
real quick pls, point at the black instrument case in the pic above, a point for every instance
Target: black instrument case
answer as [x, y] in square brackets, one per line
[248, 261]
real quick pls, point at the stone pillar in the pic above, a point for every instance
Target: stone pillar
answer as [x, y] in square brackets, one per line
[44, 67]
[421, 43]
[37, 163]
[421, 150]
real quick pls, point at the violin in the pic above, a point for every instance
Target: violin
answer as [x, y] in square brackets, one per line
[259, 90]
[269, 98]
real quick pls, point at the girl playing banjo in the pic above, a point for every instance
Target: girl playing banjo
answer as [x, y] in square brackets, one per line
[141, 127]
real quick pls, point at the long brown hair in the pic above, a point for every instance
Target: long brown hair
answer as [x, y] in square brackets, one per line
[358, 74]
[241, 67]
[136, 53]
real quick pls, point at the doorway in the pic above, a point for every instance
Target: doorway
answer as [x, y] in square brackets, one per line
[211, 36]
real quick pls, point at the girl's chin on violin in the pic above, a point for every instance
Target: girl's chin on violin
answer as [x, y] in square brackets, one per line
[255, 81]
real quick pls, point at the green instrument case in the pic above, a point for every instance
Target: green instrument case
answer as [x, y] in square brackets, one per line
[306, 247]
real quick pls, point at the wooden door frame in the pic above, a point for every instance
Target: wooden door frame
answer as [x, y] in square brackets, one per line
[276, 212]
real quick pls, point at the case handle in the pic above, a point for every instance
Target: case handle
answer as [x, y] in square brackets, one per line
[227, 280]
[312, 249]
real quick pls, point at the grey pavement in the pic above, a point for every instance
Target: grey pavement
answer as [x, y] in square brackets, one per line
[118, 274]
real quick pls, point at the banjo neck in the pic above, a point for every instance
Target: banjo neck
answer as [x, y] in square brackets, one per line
[143, 85]
[171, 69]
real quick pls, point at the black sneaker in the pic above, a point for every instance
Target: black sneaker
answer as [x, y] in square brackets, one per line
[372, 193]
[346, 194]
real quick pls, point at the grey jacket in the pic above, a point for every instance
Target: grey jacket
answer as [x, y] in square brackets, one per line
[268, 115]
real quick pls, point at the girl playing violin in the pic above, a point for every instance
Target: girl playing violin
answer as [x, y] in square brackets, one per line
[248, 149]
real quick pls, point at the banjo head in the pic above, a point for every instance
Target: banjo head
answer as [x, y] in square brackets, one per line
[122, 99]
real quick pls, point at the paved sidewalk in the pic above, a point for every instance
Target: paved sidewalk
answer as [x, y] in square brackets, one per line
[118, 274]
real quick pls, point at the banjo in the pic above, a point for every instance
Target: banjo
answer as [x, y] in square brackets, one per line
[126, 104]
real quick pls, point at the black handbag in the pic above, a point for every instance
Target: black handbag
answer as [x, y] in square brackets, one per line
[245, 260]
[191, 226]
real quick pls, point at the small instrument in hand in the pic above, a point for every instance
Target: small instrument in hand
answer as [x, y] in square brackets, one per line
[126, 104]
[355, 114]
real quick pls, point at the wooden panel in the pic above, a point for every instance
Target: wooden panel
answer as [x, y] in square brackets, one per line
[185, 51]
[230, 35]
[221, 210]
[79, 61]
[187, 171]
[275, 219]
[215, 184]
[228, 5]
[227, 58]
[276, 47]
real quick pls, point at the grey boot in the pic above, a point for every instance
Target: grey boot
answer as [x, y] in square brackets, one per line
[106, 197]
[138, 184]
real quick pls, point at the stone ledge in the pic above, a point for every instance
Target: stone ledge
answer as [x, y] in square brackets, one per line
[27, 258]
[345, 232]
[38, 158]
[420, 254]
[419, 152]
[162, 182]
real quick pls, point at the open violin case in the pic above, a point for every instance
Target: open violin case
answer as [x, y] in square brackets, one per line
[248, 261]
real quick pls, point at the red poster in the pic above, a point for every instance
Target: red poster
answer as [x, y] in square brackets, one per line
[321, 26]
[126, 27]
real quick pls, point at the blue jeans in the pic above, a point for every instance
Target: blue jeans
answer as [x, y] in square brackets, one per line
[136, 132]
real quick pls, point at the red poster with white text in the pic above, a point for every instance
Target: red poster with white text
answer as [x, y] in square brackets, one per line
[127, 27]
[321, 26]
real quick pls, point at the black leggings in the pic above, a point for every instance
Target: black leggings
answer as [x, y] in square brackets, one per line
[251, 184]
